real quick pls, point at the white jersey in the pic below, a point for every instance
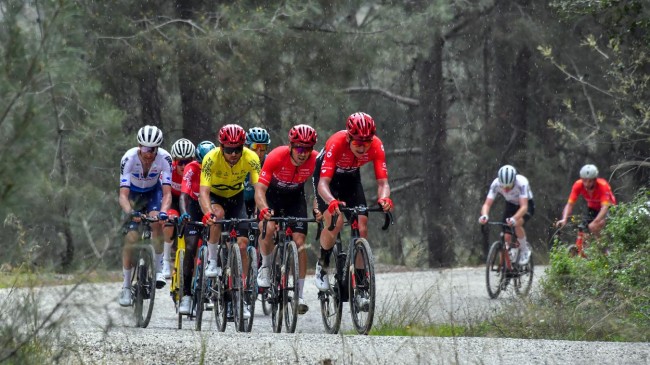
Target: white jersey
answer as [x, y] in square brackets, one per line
[520, 190]
[132, 176]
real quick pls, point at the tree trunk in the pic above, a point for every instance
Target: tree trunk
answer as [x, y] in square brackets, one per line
[150, 98]
[434, 157]
[195, 99]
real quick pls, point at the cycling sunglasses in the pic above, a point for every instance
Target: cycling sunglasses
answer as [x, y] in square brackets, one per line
[259, 147]
[145, 149]
[183, 162]
[302, 149]
[231, 150]
[361, 142]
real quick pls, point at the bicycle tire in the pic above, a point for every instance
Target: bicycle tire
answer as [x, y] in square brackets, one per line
[219, 294]
[199, 289]
[290, 291]
[251, 286]
[145, 286]
[266, 306]
[275, 290]
[362, 286]
[494, 270]
[524, 281]
[331, 306]
[236, 287]
[178, 277]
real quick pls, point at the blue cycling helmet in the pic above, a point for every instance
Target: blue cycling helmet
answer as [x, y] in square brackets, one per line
[257, 135]
[203, 148]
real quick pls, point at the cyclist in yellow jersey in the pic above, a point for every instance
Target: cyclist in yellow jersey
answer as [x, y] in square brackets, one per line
[221, 194]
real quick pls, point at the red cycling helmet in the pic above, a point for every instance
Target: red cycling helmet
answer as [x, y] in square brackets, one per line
[232, 134]
[303, 134]
[361, 126]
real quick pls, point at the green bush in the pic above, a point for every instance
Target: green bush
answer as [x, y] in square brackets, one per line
[606, 296]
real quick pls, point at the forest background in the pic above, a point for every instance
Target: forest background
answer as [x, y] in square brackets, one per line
[457, 88]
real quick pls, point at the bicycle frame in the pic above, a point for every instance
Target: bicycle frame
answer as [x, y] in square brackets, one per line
[504, 267]
[143, 276]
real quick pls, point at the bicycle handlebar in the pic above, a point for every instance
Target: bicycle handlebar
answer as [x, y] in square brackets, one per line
[388, 216]
[289, 220]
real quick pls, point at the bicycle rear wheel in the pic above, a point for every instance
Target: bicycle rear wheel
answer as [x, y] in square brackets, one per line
[144, 285]
[275, 290]
[290, 291]
[331, 306]
[219, 293]
[524, 281]
[200, 287]
[236, 287]
[494, 270]
[362, 287]
[250, 288]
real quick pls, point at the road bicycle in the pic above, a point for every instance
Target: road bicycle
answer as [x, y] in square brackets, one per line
[353, 279]
[502, 266]
[577, 224]
[143, 279]
[228, 291]
[283, 290]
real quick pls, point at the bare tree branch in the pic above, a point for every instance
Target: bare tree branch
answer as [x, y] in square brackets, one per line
[385, 93]
[404, 186]
[404, 151]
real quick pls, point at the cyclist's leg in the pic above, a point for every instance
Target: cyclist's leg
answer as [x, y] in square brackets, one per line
[354, 197]
[153, 208]
[236, 208]
[131, 237]
[594, 226]
[168, 236]
[215, 230]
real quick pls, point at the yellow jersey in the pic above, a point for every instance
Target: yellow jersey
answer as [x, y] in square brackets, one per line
[225, 180]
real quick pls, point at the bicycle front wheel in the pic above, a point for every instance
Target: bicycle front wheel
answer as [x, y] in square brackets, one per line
[235, 286]
[495, 271]
[290, 291]
[218, 293]
[177, 283]
[362, 287]
[144, 284]
[200, 287]
[250, 289]
[331, 306]
[275, 290]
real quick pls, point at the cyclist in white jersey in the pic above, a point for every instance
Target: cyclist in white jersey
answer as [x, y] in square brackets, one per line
[145, 187]
[520, 206]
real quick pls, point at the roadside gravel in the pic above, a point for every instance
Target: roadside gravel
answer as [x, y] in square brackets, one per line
[100, 332]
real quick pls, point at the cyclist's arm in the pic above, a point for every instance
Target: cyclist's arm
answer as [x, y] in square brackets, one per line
[383, 189]
[324, 189]
[183, 202]
[167, 198]
[125, 204]
[568, 208]
[204, 199]
[523, 208]
[602, 213]
[260, 196]
[485, 209]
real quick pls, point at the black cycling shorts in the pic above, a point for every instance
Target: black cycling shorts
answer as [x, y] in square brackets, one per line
[345, 187]
[234, 208]
[290, 203]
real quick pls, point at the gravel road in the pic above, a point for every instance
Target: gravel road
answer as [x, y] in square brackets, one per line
[103, 333]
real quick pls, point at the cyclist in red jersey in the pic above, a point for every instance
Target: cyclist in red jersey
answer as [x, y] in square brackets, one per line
[598, 195]
[191, 210]
[182, 153]
[280, 192]
[338, 180]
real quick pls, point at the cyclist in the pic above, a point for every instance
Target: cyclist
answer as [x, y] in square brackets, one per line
[598, 195]
[221, 192]
[191, 210]
[281, 192]
[145, 186]
[520, 206]
[258, 140]
[338, 181]
[182, 153]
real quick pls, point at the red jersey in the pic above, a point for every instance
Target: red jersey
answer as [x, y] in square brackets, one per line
[177, 180]
[601, 195]
[192, 179]
[338, 157]
[281, 173]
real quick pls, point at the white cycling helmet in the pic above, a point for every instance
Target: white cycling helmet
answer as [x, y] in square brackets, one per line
[150, 136]
[589, 172]
[507, 175]
[183, 148]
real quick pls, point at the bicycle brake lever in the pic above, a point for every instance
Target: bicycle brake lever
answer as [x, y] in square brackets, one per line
[388, 221]
[335, 218]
